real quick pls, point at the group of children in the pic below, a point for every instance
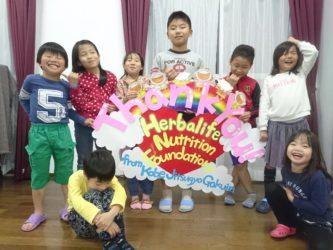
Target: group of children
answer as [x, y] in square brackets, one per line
[94, 196]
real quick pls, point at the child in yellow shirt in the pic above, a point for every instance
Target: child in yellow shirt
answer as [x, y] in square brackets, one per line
[95, 199]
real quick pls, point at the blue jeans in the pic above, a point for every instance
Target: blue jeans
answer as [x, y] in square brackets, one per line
[133, 186]
[84, 143]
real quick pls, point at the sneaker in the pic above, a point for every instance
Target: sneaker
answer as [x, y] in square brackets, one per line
[263, 207]
[250, 201]
[229, 200]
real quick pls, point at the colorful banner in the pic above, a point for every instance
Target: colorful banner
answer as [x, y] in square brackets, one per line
[153, 140]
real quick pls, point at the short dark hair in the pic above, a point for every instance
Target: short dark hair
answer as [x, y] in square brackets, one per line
[78, 68]
[100, 164]
[279, 51]
[245, 51]
[179, 15]
[53, 48]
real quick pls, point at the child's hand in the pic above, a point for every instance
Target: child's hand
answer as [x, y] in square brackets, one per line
[170, 73]
[263, 135]
[73, 78]
[232, 79]
[245, 117]
[289, 193]
[111, 108]
[131, 95]
[89, 122]
[113, 229]
[104, 220]
[293, 40]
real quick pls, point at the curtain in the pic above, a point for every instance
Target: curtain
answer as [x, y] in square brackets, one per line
[261, 24]
[22, 20]
[5, 49]
[135, 22]
[306, 18]
[7, 161]
[204, 18]
[325, 86]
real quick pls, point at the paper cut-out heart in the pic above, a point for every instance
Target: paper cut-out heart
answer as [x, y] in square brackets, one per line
[181, 151]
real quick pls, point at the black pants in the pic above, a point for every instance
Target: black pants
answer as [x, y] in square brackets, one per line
[102, 200]
[317, 236]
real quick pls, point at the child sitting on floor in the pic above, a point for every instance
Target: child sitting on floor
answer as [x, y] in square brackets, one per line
[95, 198]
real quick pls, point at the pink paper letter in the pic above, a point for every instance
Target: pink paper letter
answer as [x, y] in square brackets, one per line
[125, 108]
[206, 102]
[161, 100]
[229, 110]
[103, 117]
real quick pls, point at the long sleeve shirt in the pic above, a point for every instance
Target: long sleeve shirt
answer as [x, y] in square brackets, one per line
[284, 96]
[251, 90]
[312, 194]
[123, 87]
[89, 96]
[78, 186]
[47, 101]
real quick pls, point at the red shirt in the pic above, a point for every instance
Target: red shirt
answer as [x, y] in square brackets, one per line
[89, 96]
[251, 89]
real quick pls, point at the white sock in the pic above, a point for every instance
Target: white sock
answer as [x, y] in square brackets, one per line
[187, 194]
[167, 193]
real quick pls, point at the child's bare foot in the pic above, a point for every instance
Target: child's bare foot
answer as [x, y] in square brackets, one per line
[33, 222]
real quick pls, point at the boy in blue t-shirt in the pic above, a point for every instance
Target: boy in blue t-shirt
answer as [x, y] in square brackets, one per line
[46, 100]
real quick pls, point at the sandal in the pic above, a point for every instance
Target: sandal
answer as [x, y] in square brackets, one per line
[282, 231]
[64, 214]
[135, 204]
[146, 204]
[35, 220]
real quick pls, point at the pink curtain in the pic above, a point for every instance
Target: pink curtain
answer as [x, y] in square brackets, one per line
[306, 16]
[22, 19]
[135, 22]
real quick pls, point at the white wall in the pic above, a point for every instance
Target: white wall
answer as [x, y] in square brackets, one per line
[67, 22]
[325, 85]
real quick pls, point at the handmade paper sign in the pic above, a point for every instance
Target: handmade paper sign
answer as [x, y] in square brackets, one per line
[154, 141]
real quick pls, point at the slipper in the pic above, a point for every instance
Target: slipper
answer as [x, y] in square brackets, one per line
[186, 205]
[146, 204]
[63, 213]
[282, 231]
[229, 200]
[165, 205]
[35, 220]
[135, 204]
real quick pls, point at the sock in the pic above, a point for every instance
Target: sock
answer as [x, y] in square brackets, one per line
[167, 193]
[146, 197]
[135, 197]
[187, 194]
[252, 196]
[269, 177]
